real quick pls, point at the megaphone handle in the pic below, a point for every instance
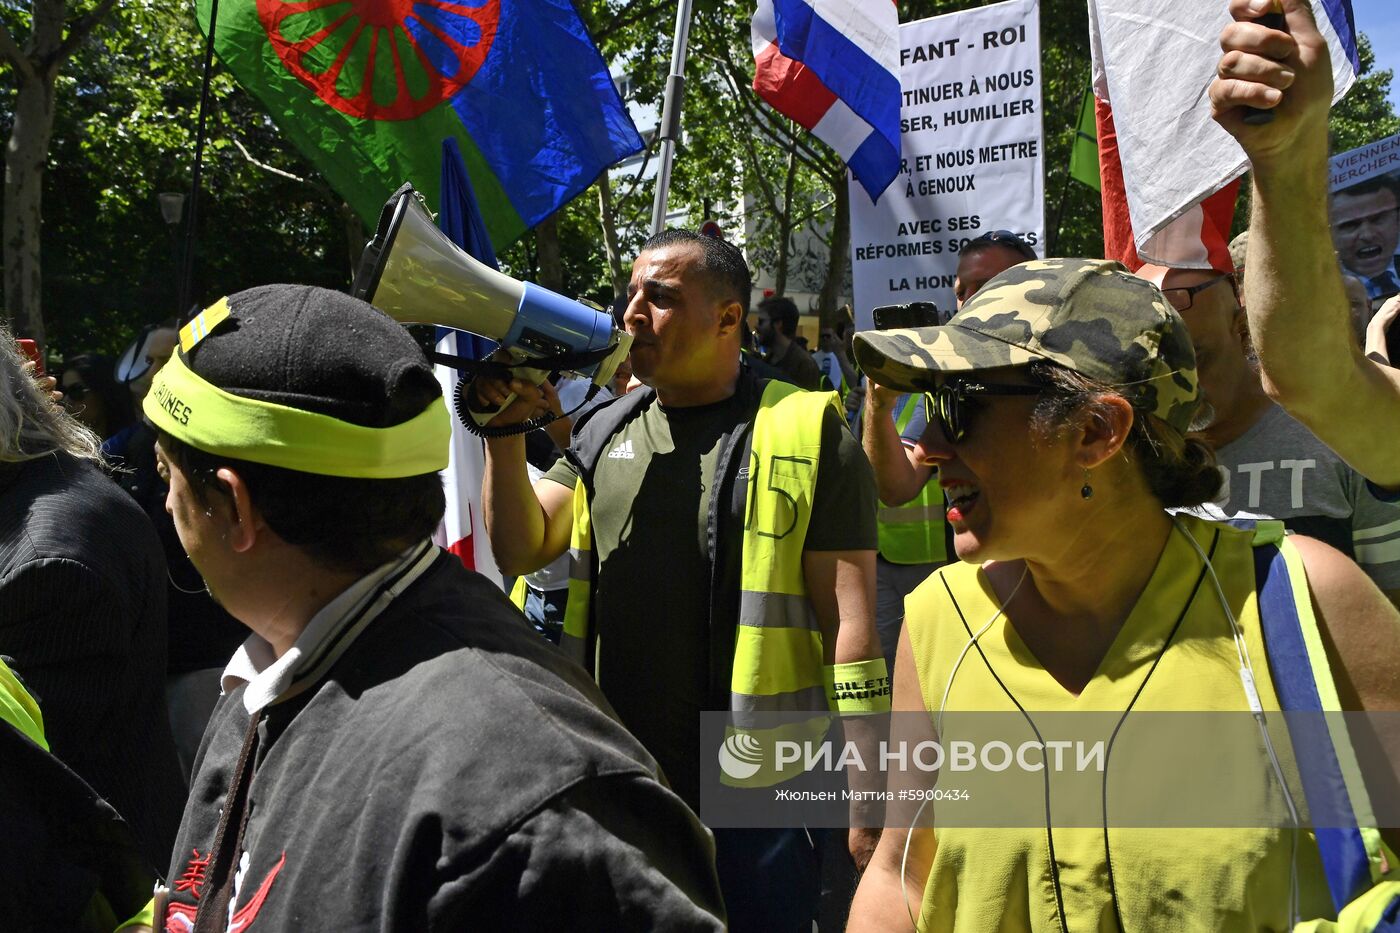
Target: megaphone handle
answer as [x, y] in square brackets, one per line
[470, 422]
[483, 416]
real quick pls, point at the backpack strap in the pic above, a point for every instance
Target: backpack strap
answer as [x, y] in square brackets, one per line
[1339, 808]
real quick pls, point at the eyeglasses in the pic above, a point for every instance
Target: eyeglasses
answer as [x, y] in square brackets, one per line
[950, 404]
[1007, 239]
[1182, 298]
[76, 391]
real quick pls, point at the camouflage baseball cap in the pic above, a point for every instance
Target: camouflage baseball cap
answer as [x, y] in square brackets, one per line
[1088, 315]
[1238, 247]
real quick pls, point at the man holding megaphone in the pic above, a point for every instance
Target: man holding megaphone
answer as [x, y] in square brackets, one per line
[717, 522]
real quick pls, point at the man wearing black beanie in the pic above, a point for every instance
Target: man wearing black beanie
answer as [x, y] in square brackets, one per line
[394, 747]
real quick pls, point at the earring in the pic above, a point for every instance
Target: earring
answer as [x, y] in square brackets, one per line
[1086, 491]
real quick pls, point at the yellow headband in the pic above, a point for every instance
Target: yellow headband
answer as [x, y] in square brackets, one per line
[207, 418]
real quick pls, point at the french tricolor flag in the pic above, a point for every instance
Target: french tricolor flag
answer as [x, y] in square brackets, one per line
[463, 527]
[1169, 172]
[833, 67]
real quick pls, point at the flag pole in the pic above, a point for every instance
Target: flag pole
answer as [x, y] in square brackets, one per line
[670, 128]
[185, 286]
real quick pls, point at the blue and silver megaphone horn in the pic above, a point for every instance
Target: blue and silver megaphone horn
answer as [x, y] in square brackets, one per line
[412, 272]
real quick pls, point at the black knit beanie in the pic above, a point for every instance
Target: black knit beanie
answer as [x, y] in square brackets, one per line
[317, 350]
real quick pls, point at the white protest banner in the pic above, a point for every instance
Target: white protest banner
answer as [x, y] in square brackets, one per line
[972, 155]
[1363, 163]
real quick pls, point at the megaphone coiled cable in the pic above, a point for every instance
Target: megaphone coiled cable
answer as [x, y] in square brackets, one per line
[462, 407]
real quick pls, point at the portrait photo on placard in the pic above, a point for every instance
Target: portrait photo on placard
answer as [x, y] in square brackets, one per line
[1365, 215]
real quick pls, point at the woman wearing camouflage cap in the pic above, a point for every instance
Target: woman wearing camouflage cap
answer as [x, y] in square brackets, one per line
[1060, 399]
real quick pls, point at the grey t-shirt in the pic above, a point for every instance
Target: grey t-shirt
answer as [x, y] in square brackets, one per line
[1279, 469]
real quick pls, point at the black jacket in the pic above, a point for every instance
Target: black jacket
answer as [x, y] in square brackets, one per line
[452, 771]
[68, 862]
[82, 613]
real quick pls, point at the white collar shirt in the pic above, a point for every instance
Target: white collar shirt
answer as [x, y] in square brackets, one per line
[268, 676]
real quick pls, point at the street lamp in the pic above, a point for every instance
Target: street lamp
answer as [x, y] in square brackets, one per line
[172, 211]
[172, 206]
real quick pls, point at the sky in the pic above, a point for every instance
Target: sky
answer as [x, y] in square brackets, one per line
[1380, 21]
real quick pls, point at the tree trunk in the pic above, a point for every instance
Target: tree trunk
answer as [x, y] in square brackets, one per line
[25, 154]
[840, 253]
[547, 241]
[616, 274]
[35, 69]
[780, 274]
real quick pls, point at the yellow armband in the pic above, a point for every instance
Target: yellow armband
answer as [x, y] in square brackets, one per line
[859, 686]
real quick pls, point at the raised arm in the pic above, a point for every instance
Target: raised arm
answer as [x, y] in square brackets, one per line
[1376, 346]
[898, 478]
[528, 526]
[1298, 314]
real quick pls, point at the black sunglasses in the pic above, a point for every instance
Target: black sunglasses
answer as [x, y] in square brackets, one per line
[76, 391]
[1007, 239]
[949, 407]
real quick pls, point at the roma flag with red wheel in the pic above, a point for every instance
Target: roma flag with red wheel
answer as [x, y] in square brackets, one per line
[369, 89]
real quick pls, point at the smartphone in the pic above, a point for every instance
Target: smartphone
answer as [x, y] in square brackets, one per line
[31, 351]
[913, 314]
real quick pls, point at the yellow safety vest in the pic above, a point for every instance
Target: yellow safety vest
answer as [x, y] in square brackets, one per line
[778, 662]
[1162, 878]
[517, 594]
[19, 709]
[912, 533]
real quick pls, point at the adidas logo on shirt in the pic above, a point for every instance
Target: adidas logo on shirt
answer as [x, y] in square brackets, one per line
[622, 451]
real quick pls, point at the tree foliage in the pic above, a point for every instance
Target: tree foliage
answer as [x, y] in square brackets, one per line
[1365, 114]
[125, 130]
[36, 43]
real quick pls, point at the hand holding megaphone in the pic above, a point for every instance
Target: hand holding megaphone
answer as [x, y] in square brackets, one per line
[512, 400]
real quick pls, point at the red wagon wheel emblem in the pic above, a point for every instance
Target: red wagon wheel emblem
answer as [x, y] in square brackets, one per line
[381, 59]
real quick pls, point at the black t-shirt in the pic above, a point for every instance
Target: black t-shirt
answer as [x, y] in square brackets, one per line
[651, 602]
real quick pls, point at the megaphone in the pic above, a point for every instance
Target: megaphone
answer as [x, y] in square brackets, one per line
[412, 272]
